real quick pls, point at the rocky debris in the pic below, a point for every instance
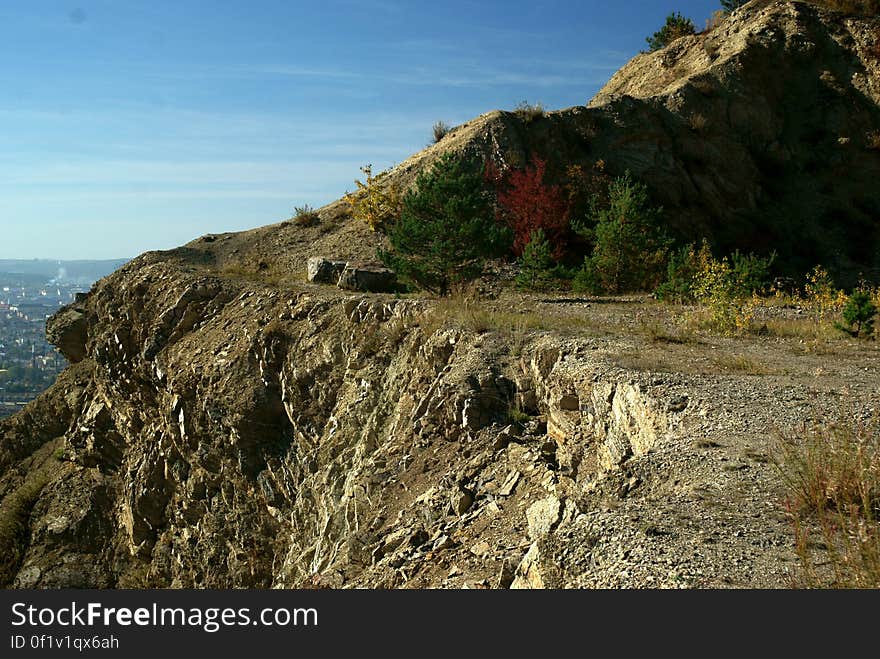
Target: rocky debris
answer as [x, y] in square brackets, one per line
[322, 270]
[367, 277]
[532, 572]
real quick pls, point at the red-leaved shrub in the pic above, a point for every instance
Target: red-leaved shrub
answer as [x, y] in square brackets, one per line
[526, 203]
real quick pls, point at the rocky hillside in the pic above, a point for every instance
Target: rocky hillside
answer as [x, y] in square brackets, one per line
[225, 423]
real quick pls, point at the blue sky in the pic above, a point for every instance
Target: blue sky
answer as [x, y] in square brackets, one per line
[130, 125]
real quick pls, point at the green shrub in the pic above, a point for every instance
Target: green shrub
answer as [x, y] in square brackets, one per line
[676, 26]
[681, 271]
[726, 287]
[630, 245]
[858, 314]
[821, 294]
[446, 229]
[750, 272]
[730, 5]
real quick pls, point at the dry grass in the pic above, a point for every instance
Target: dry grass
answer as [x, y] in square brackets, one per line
[688, 362]
[717, 18]
[529, 112]
[740, 364]
[651, 362]
[698, 122]
[802, 328]
[266, 276]
[440, 130]
[305, 216]
[474, 316]
[396, 330]
[14, 513]
[831, 471]
[661, 333]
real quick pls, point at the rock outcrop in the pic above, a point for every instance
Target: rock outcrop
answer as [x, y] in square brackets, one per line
[367, 277]
[321, 270]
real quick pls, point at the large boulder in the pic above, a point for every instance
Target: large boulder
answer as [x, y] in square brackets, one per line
[322, 270]
[68, 331]
[368, 277]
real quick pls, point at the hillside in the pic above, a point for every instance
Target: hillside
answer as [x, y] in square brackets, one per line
[225, 423]
[762, 129]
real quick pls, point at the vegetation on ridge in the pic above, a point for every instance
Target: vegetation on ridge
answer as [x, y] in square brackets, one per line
[445, 231]
[676, 26]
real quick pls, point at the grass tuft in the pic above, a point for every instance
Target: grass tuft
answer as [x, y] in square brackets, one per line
[831, 471]
[529, 112]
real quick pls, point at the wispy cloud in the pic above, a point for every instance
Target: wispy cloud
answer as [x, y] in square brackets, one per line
[473, 76]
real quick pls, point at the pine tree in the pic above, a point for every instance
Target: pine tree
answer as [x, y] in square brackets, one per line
[446, 229]
[730, 5]
[858, 314]
[536, 264]
[631, 247]
[676, 26]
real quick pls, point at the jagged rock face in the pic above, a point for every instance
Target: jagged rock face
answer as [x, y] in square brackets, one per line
[68, 333]
[764, 128]
[223, 433]
[228, 436]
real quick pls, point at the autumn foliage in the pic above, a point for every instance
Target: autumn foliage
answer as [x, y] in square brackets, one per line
[526, 204]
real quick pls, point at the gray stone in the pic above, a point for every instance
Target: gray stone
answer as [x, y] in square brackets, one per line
[367, 277]
[322, 270]
[543, 516]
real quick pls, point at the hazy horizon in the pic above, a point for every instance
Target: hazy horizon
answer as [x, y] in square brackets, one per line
[131, 127]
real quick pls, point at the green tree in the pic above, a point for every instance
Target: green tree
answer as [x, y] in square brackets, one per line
[676, 26]
[730, 5]
[446, 229]
[858, 314]
[681, 271]
[630, 246]
[537, 269]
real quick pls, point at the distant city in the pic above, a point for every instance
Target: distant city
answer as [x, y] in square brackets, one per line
[30, 292]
